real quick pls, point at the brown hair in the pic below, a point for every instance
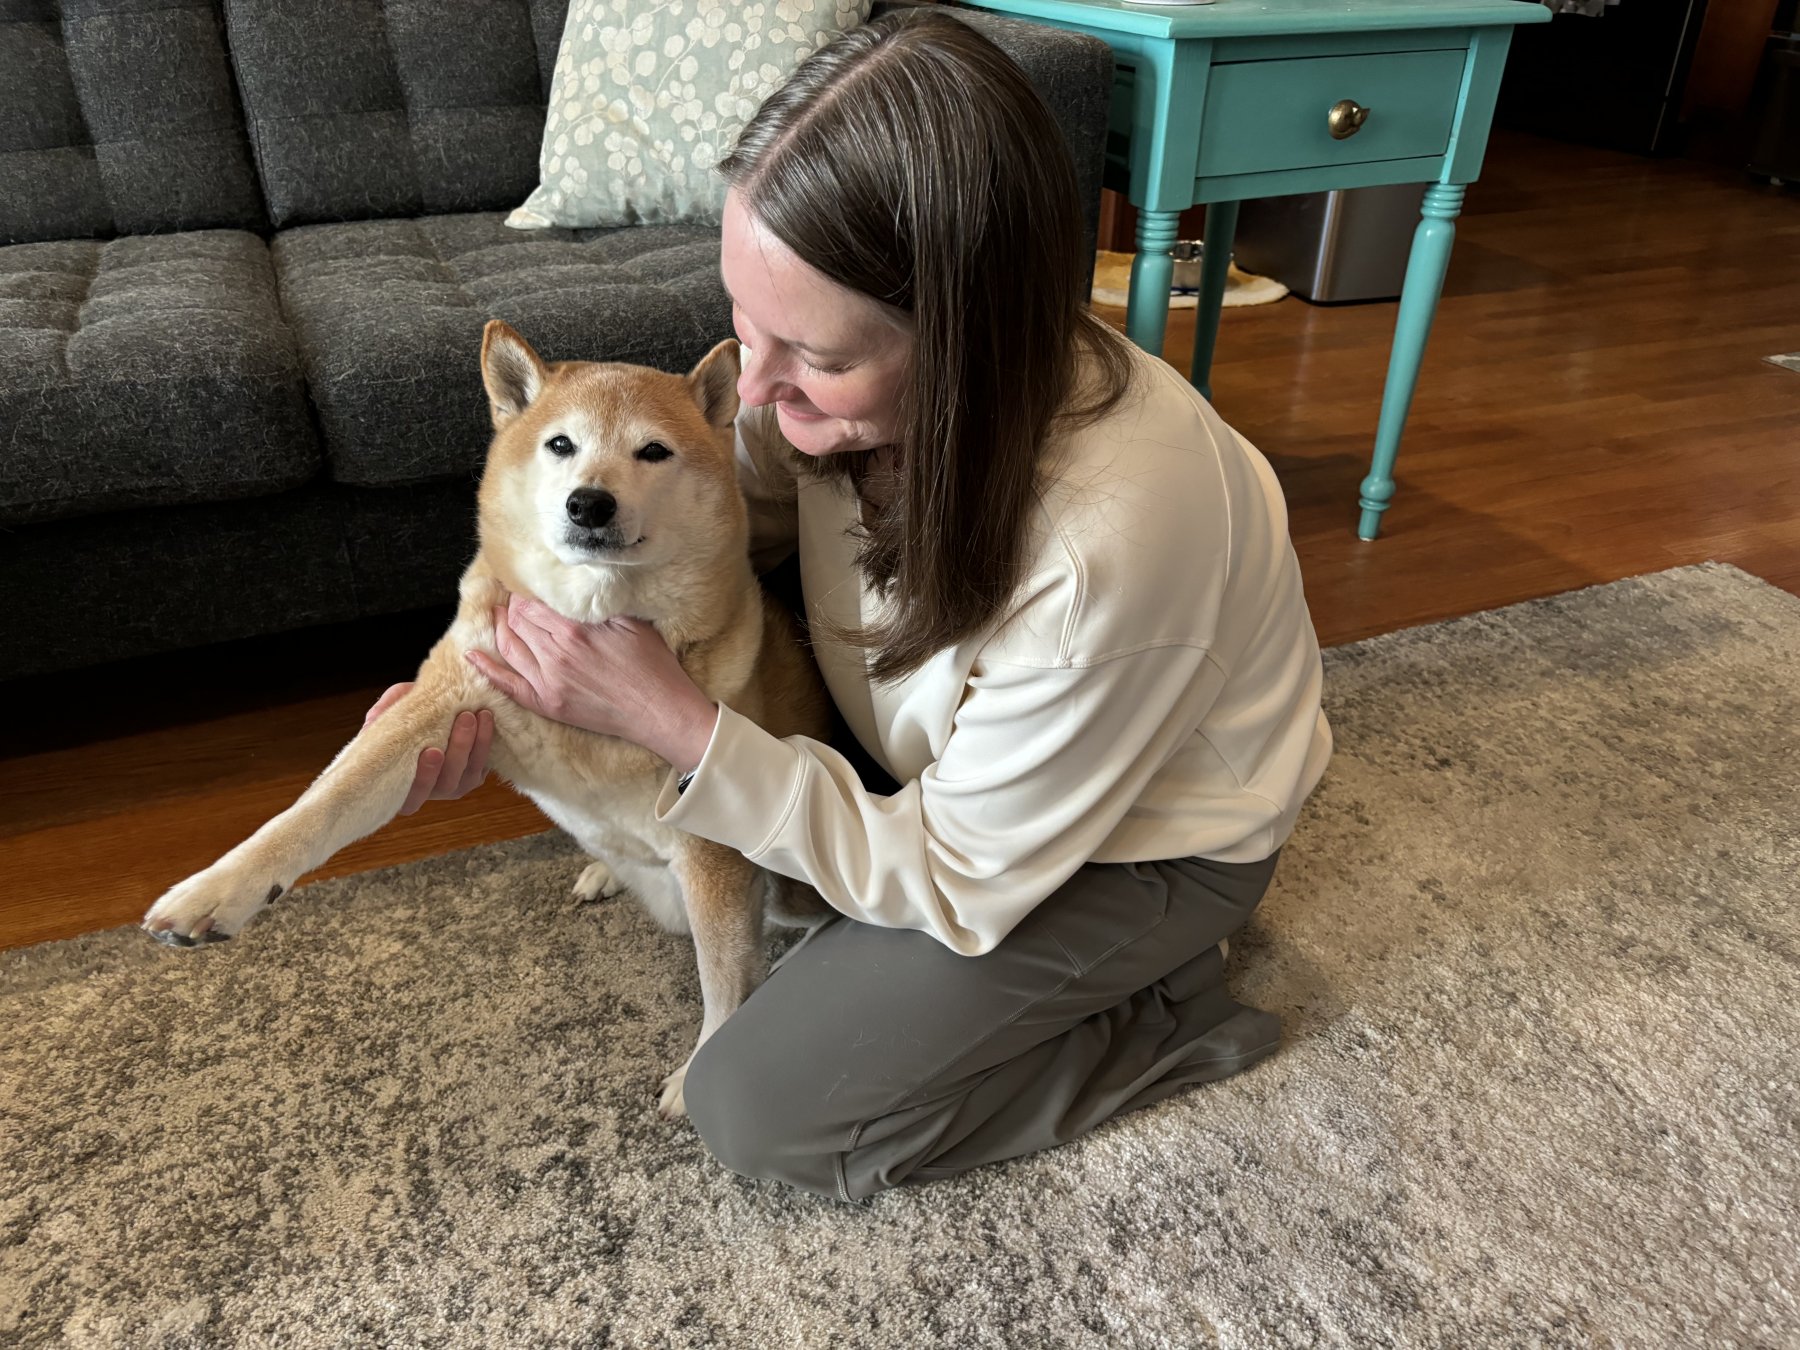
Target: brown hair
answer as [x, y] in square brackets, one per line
[912, 161]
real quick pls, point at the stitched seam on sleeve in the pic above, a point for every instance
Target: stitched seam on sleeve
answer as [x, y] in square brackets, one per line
[1224, 495]
[1102, 658]
[787, 809]
[1081, 587]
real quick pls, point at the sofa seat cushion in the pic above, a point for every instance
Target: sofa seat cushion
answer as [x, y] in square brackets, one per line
[143, 372]
[389, 316]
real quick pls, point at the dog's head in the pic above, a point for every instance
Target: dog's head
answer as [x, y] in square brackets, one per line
[608, 464]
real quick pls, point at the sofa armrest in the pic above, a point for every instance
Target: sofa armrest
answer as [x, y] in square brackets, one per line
[1073, 73]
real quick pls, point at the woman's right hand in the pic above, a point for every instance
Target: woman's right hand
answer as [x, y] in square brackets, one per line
[454, 771]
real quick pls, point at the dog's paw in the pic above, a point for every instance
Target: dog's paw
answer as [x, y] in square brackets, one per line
[671, 1105]
[210, 906]
[597, 882]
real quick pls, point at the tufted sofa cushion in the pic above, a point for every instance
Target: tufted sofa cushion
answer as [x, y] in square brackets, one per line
[118, 117]
[145, 371]
[363, 108]
[389, 316]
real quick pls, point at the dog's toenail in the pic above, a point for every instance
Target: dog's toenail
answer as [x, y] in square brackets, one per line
[274, 894]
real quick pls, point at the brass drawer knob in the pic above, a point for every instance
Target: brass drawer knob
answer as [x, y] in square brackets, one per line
[1346, 118]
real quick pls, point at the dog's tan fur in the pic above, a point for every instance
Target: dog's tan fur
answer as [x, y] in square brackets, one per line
[688, 575]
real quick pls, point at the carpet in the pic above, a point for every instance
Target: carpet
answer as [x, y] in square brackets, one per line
[1536, 946]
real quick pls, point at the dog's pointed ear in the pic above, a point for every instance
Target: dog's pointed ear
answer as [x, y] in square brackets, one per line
[713, 383]
[512, 372]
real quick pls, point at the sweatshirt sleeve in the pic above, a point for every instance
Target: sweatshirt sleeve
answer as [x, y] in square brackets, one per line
[766, 478]
[1040, 766]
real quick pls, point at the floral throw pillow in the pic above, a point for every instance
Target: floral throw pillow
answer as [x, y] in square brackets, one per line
[648, 95]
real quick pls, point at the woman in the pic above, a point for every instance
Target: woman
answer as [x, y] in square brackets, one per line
[1053, 596]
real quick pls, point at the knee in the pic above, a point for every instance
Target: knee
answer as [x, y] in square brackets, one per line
[748, 1122]
[711, 1091]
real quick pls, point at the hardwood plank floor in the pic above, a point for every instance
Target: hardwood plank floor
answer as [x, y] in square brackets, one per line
[1593, 405]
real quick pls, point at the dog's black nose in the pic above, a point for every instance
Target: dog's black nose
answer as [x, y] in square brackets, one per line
[592, 507]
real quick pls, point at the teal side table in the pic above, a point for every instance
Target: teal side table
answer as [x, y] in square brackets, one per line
[1266, 98]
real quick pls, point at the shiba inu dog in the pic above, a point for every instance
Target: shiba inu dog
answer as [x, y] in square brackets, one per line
[609, 490]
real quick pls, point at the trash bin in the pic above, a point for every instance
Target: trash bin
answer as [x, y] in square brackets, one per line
[1776, 154]
[1350, 244]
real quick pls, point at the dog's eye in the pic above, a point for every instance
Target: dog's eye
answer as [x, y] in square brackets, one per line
[655, 453]
[560, 446]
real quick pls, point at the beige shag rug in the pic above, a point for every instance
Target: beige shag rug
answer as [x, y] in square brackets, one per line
[1536, 945]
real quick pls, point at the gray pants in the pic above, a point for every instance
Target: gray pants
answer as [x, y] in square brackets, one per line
[874, 1057]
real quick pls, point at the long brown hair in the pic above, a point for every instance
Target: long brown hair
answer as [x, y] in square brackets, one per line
[912, 161]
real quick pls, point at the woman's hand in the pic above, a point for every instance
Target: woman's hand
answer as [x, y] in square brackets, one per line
[617, 678]
[454, 771]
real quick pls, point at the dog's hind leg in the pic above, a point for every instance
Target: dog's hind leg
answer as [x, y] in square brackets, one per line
[794, 904]
[727, 919]
[358, 793]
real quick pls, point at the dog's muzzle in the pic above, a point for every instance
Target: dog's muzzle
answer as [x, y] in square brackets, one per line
[593, 522]
[592, 508]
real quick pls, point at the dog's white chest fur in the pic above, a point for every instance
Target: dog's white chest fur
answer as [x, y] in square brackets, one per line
[576, 780]
[617, 825]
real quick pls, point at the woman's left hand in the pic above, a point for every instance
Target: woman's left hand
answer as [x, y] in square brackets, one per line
[617, 678]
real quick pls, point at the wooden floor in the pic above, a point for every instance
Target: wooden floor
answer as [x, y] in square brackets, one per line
[1593, 406]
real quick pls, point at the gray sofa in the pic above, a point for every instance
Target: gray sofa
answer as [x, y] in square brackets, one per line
[249, 248]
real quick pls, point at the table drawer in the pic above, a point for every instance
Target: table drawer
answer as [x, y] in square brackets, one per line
[1268, 115]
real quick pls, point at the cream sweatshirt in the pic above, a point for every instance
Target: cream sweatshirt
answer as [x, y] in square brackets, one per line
[1152, 692]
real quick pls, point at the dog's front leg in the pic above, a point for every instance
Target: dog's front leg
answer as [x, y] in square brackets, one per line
[358, 793]
[727, 920]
